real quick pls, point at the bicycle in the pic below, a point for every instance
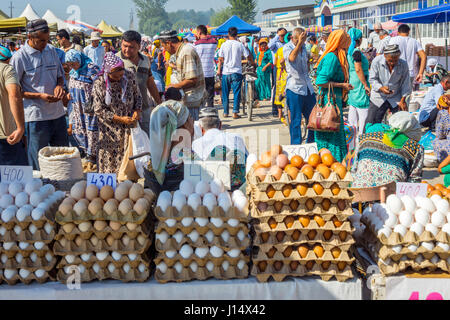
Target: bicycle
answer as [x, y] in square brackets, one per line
[248, 92]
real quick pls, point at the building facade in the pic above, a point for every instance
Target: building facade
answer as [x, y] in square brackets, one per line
[288, 17]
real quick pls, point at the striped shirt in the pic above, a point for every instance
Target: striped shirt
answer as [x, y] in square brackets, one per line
[206, 49]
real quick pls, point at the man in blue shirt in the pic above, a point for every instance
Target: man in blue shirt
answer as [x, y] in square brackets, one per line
[428, 111]
[274, 44]
[299, 89]
[41, 76]
[95, 51]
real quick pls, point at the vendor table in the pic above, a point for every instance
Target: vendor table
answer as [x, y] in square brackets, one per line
[310, 288]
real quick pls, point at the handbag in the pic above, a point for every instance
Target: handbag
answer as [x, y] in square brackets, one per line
[325, 118]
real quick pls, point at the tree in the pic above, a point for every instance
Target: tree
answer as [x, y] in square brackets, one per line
[152, 15]
[244, 9]
[221, 16]
[182, 24]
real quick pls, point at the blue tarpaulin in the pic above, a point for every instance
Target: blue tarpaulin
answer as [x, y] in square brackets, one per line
[235, 21]
[435, 14]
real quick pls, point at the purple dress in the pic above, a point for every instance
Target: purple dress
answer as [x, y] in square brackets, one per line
[441, 145]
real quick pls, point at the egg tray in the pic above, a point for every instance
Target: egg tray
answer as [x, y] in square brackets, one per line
[200, 261]
[117, 216]
[86, 246]
[162, 226]
[26, 253]
[26, 236]
[301, 271]
[141, 258]
[310, 256]
[202, 273]
[424, 267]
[201, 212]
[260, 196]
[232, 243]
[281, 226]
[104, 274]
[285, 179]
[48, 217]
[28, 264]
[31, 277]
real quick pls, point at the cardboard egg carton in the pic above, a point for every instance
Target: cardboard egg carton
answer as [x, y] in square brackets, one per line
[202, 273]
[200, 261]
[140, 258]
[310, 256]
[134, 275]
[31, 277]
[261, 196]
[72, 216]
[48, 217]
[301, 271]
[70, 247]
[201, 212]
[285, 179]
[232, 243]
[28, 264]
[162, 226]
[26, 236]
[424, 267]
[281, 226]
[26, 252]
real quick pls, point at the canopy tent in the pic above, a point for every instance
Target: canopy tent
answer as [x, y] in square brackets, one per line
[235, 21]
[390, 25]
[13, 25]
[435, 14]
[51, 18]
[82, 27]
[29, 13]
[121, 29]
[108, 31]
[3, 15]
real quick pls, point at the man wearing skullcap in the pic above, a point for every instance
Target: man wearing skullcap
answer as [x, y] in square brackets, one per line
[374, 37]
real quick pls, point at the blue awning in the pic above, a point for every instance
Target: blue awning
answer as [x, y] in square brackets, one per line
[435, 14]
[235, 21]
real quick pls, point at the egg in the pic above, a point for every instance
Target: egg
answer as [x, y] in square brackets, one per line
[409, 203]
[234, 253]
[194, 201]
[4, 188]
[37, 214]
[186, 251]
[32, 229]
[201, 252]
[217, 222]
[17, 230]
[406, 218]
[142, 206]
[237, 194]
[224, 196]
[111, 267]
[233, 222]
[435, 198]
[19, 258]
[86, 257]
[23, 213]
[202, 188]
[126, 206]
[85, 226]
[162, 266]
[179, 201]
[106, 193]
[9, 273]
[132, 256]
[422, 216]
[435, 259]
[6, 200]
[225, 265]
[417, 228]
[7, 215]
[36, 198]
[201, 221]
[397, 248]
[39, 245]
[70, 258]
[80, 208]
[386, 231]
[241, 235]
[394, 204]
[391, 221]
[446, 228]
[96, 268]
[209, 236]
[413, 247]
[216, 186]
[162, 237]
[79, 241]
[178, 267]
[431, 228]
[241, 203]
[442, 206]
[110, 240]
[225, 235]
[209, 201]
[171, 254]
[428, 245]
[426, 204]
[122, 192]
[210, 266]
[102, 255]
[178, 236]
[111, 206]
[100, 225]
[78, 190]
[438, 219]
[400, 229]
[15, 188]
[136, 192]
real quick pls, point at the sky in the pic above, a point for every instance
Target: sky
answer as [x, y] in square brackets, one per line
[117, 12]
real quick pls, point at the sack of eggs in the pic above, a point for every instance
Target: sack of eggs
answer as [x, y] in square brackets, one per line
[202, 233]
[27, 231]
[408, 233]
[276, 169]
[105, 234]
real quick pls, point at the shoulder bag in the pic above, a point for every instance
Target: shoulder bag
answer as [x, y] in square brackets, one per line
[325, 118]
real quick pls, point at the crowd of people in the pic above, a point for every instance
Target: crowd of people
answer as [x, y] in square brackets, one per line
[64, 94]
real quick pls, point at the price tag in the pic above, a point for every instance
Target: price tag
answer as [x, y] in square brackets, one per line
[196, 171]
[102, 179]
[411, 189]
[302, 150]
[21, 174]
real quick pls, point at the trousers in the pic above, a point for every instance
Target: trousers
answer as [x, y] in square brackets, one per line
[299, 105]
[231, 82]
[376, 114]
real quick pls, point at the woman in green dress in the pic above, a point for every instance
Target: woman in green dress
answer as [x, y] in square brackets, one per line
[358, 98]
[332, 68]
[264, 71]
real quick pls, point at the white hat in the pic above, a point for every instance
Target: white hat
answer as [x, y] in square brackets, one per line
[95, 36]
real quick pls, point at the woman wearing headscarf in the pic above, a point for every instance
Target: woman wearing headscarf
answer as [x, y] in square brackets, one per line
[332, 68]
[264, 71]
[358, 98]
[281, 79]
[117, 104]
[387, 153]
[435, 72]
[83, 123]
[441, 144]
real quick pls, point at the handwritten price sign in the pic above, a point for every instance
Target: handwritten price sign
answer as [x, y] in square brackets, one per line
[196, 171]
[411, 189]
[11, 174]
[303, 150]
[102, 179]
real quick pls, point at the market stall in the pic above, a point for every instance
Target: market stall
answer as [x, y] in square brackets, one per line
[108, 31]
[242, 26]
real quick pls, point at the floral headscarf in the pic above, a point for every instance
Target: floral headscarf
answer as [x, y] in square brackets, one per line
[355, 35]
[86, 69]
[111, 62]
[5, 53]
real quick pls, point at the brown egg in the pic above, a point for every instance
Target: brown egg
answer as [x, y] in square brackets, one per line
[336, 252]
[326, 265]
[310, 203]
[308, 171]
[439, 186]
[287, 253]
[324, 170]
[276, 172]
[336, 222]
[320, 221]
[296, 235]
[132, 226]
[272, 223]
[341, 171]
[302, 188]
[94, 240]
[310, 265]
[276, 150]
[293, 265]
[342, 205]
[291, 171]
[343, 235]
[100, 225]
[257, 165]
[280, 236]
[304, 220]
[287, 189]
[289, 222]
[266, 160]
[79, 241]
[294, 205]
[303, 251]
[318, 250]
[270, 192]
[262, 266]
[328, 159]
[312, 234]
[106, 193]
[297, 161]
[278, 206]
[262, 206]
[326, 204]
[335, 165]
[265, 237]
[110, 240]
[327, 235]
[318, 189]
[261, 173]
[430, 188]
[341, 265]
[115, 226]
[282, 161]
[436, 192]
[271, 252]
[335, 189]
[314, 160]
[278, 265]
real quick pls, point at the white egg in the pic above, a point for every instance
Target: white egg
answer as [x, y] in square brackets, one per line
[224, 196]
[435, 259]
[70, 258]
[24, 273]
[2, 231]
[438, 219]
[237, 194]
[394, 204]
[417, 228]
[179, 201]
[48, 189]
[23, 213]
[413, 247]
[397, 248]
[37, 214]
[33, 256]
[8, 245]
[409, 203]
[193, 266]
[142, 267]
[96, 267]
[102, 255]
[225, 235]
[39, 245]
[15, 188]
[162, 266]
[17, 230]
[241, 235]
[19, 258]
[210, 266]
[426, 204]
[186, 222]
[217, 222]
[178, 267]
[241, 203]
[132, 256]
[162, 237]
[201, 221]
[209, 236]
[241, 264]
[234, 253]
[49, 256]
[186, 187]
[225, 204]
[233, 222]
[81, 268]
[404, 258]
[391, 221]
[116, 256]
[194, 201]
[177, 194]
[186, 251]
[444, 246]
[21, 199]
[406, 218]
[201, 252]
[431, 228]
[216, 252]
[251, 159]
[178, 236]
[7, 215]
[111, 267]
[43, 206]
[194, 235]
[386, 231]
[164, 202]
[32, 229]
[375, 208]
[4, 188]
[48, 228]
[40, 273]
[216, 186]
[446, 228]
[23, 245]
[442, 206]
[400, 229]
[422, 216]
[86, 257]
[225, 265]
[435, 198]
[202, 188]
[36, 198]
[171, 223]
[171, 254]
[9, 273]
[428, 245]
[6, 200]
[4, 258]
[210, 201]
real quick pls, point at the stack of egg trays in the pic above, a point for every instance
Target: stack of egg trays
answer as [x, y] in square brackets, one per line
[274, 251]
[81, 249]
[30, 251]
[237, 266]
[394, 255]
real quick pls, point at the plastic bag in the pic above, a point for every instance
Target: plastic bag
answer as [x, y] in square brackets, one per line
[427, 140]
[141, 144]
[127, 170]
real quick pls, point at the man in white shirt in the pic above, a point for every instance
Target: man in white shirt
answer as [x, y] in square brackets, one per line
[323, 42]
[230, 56]
[374, 37]
[410, 49]
[94, 51]
[384, 41]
